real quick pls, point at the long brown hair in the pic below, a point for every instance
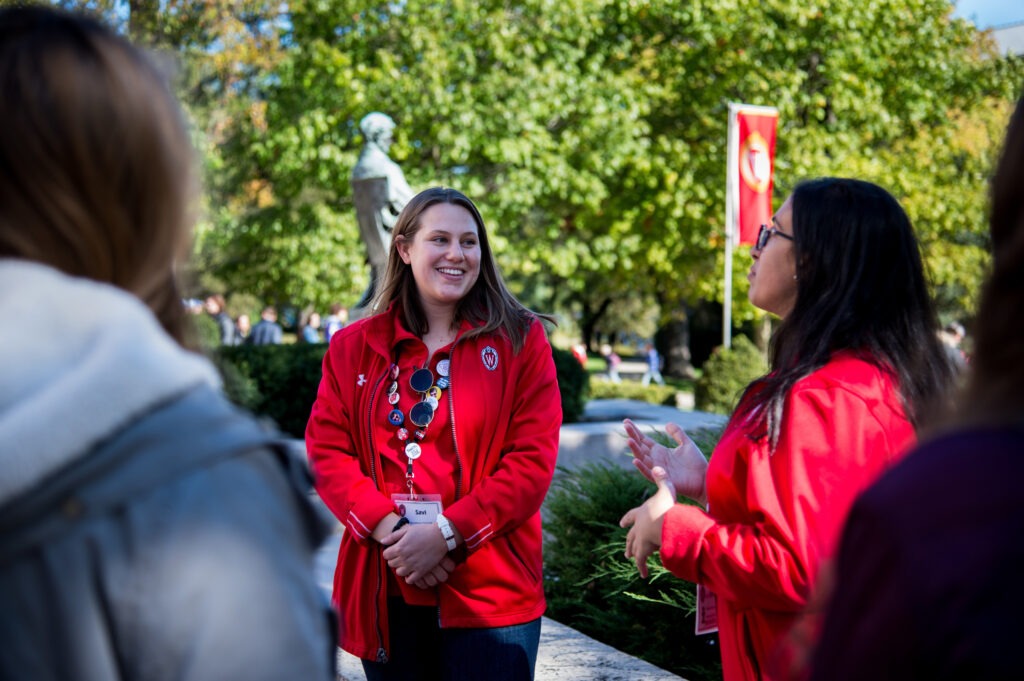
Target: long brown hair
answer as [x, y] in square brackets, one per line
[489, 305]
[994, 392]
[96, 167]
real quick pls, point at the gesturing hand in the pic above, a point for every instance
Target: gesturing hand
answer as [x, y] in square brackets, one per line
[685, 466]
[645, 522]
[419, 554]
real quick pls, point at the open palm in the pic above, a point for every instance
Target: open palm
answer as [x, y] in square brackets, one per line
[685, 466]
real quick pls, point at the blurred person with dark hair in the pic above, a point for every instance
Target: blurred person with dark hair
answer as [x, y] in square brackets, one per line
[267, 331]
[855, 367]
[148, 530]
[928, 582]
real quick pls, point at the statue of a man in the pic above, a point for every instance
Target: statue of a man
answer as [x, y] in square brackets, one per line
[380, 192]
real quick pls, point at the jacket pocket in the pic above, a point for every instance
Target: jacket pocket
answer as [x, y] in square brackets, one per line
[528, 572]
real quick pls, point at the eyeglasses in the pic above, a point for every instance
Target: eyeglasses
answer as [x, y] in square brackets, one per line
[767, 232]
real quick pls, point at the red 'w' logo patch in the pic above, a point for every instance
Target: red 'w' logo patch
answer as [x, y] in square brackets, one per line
[490, 358]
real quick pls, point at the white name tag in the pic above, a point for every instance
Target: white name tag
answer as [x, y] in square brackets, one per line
[421, 509]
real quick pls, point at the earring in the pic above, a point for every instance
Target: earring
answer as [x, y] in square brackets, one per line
[794, 277]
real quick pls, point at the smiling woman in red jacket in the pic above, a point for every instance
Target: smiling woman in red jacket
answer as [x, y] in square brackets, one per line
[433, 439]
[854, 362]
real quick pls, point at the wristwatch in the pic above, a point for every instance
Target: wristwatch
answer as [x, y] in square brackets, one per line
[446, 531]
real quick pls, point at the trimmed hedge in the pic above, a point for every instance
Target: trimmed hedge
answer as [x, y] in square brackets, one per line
[280, 381]
[276, 381]
[726, 374]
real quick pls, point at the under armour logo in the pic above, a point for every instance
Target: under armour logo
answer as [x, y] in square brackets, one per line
[362, 380]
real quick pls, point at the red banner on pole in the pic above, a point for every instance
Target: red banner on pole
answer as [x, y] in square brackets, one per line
[754, 169]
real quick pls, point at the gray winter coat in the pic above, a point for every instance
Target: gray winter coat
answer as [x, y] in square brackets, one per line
[178, 548]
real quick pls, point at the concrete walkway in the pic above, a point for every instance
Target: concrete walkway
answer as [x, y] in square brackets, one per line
[566, 654]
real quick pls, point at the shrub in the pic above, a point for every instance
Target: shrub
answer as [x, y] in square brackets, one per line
[573, 383]
[277, 381]
[633, 390]
[726, 373]
[280, 381]
[591, 587]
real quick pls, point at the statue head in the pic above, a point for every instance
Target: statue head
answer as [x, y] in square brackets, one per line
[376, 128]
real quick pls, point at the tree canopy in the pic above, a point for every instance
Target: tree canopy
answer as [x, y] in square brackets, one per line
[591, 133]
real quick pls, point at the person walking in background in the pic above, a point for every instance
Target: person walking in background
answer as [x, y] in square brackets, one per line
[311, 329]
[653, 366]
[612, 361]
[244, 327]
[267, 331]
[217, 308]
[433, 439]
[927, 578]
[148, 529]
[335, 321]
[855, 364]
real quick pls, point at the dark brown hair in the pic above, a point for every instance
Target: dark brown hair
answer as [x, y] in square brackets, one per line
[489, 305]
[96, 166]
[994, 392]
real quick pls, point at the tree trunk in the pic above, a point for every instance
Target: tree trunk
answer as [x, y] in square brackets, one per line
[590, 321]
[672, 340]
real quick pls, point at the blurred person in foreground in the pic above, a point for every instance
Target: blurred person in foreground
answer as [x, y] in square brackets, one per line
[928, 573]
[148, 530]
[855, 364]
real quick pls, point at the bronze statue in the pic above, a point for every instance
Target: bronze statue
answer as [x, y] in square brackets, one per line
[379, 191]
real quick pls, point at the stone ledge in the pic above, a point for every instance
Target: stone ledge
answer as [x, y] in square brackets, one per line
[564, 655]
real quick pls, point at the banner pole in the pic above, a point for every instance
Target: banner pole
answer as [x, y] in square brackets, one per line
[731, 171]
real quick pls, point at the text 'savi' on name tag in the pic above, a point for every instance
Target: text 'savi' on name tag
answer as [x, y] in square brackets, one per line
[419, 509]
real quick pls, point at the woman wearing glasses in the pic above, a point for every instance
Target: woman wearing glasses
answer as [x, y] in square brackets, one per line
[854, 363]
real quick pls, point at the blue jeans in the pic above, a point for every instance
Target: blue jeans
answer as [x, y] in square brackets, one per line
[422, 651]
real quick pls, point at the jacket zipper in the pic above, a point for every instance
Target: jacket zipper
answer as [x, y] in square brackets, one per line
[382, 653]
[458, 455]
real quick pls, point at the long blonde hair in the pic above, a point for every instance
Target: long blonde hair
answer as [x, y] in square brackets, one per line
[96, 168]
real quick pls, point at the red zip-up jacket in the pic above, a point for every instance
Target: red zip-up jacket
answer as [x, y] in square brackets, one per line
[775, 517]
[504, 419]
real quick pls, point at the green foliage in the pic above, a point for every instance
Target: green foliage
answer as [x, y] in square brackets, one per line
[592, 132]
[277, 381]
[591, 587]
[206, 330]
[726, 374]
[573, 383]
[634, 390]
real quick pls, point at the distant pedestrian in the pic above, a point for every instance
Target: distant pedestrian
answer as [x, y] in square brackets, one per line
[612, 361]
[579, 351]
[653, 366]
[311, 329]
[335, 321]
[267, 331]
[244, 327]
[149, 530]
[216, 308]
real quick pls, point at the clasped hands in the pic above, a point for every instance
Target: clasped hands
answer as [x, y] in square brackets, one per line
[418, 554]
[680, 470]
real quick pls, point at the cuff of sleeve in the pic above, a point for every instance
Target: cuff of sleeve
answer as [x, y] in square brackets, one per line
[362, 519]
[465, 514]
[682, 536]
